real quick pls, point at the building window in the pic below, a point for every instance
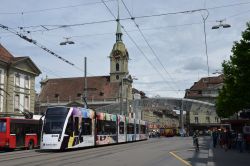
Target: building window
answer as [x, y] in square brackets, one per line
[26, 81]
[207, 119]
[216, 119]
[117, 77]
[17, 102]
[196, 119]
[26, 103]
[195, 113]
[117, 66]
[17, 79]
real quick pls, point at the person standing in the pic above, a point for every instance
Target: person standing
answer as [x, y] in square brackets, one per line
[240, 141]
[215, 137]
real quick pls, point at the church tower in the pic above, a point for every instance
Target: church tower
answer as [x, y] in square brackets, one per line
[118, 57]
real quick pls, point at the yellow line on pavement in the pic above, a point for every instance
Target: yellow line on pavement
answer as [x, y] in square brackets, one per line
[179, 158]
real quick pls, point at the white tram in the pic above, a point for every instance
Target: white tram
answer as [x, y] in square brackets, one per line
[73, 127]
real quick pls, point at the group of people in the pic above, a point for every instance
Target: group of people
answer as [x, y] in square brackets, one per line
[227, 139]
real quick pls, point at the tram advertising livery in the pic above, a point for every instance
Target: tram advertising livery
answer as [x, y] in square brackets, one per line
[73, 127]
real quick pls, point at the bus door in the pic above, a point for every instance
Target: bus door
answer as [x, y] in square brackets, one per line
[17, 131]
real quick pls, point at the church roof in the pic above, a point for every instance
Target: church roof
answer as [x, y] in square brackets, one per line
[71, 89]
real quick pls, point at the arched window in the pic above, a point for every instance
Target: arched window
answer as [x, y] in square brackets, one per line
[117, 66]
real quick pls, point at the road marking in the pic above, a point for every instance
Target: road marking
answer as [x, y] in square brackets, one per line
[179, 158]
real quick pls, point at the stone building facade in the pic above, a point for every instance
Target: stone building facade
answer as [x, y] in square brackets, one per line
[17, 84]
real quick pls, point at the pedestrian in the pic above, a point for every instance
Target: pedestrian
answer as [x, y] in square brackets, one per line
[215, 137]
[240, 142]
[196, 141]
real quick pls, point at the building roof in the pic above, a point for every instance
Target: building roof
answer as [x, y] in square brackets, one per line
[5, 55]
[71, 89]
[8, 58]
[205, 83]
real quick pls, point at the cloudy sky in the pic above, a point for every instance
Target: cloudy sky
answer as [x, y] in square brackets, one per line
[167, 57]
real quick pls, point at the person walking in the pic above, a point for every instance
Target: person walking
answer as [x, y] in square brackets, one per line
[196, 141]
[240, 142]
[215, 137]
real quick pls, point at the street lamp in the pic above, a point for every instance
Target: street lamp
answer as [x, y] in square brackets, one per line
[221, 24]
[67, 41]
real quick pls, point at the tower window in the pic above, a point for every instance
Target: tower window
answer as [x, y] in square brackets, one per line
[117, 77]
[117, 66]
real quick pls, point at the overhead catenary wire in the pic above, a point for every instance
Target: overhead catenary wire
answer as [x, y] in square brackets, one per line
[39, 45]
[137, 46]
[148, 44]
[135, 17]
[55, 8]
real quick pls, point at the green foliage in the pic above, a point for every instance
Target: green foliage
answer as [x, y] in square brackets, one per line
[235, 94]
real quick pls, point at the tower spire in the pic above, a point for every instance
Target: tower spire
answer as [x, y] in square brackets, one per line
[118, 30]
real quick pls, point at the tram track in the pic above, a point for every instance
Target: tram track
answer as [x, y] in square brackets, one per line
[39, 157]
[61, 155]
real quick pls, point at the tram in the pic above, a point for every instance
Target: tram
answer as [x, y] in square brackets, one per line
[74, 127]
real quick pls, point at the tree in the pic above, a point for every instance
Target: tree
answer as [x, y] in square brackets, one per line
[235, 94]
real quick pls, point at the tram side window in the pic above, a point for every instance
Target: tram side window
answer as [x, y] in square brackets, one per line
[100, 127]
[76, 126]
[110, 127]
[106, 127]
[142, 129]
[137, 128]
[121, 128]
[130, 128]
[69, 128]
[86, 126]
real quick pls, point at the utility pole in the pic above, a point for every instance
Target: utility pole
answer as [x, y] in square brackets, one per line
[85, 83]
[121, 98]
[181, 117]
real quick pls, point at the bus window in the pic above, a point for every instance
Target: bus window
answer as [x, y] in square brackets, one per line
[2, 126]
[121, 128]
[87, 126]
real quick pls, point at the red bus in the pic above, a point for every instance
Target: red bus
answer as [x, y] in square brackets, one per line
[19, 133]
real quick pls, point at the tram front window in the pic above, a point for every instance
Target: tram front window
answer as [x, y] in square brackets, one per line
[54, 120]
